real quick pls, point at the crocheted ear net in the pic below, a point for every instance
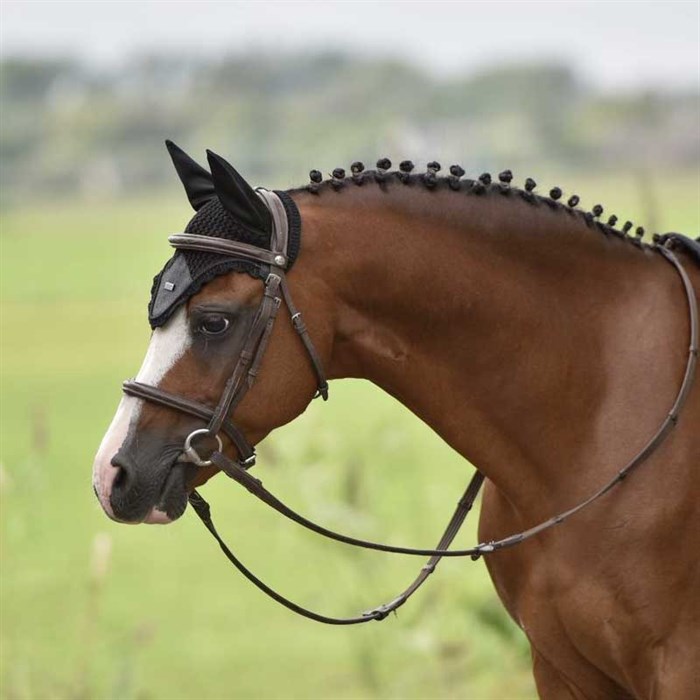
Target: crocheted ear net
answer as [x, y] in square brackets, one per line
[189, 270]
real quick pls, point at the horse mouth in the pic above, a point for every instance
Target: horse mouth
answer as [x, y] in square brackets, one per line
[156, 498]
[172, 501]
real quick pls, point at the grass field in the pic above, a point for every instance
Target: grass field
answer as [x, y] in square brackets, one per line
[91, 609]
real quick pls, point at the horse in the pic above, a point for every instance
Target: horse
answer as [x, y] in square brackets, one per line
[541, 342]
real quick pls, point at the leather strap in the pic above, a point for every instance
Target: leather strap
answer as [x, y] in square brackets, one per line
[280, 228]
[251, 355]
[303, 332]
[198, 410]
[223, 246]
[255, 486]
[202, 509]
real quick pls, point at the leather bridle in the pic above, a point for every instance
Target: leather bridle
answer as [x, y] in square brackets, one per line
[246, 370]
[248, 365]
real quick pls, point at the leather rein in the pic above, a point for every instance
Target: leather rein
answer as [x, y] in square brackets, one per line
[246, 370]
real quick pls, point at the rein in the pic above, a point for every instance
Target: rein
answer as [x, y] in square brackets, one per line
[276, 291]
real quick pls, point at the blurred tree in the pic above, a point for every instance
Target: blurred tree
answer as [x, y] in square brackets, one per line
[68, 129]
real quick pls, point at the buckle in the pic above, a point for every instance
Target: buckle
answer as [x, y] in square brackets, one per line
[248, 462]
[298, 322]
[380, 613]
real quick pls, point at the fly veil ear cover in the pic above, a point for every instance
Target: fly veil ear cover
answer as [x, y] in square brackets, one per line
[227, 207]
[198, 183]
[237, 196]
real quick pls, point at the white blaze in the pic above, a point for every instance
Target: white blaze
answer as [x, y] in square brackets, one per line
[168, 344]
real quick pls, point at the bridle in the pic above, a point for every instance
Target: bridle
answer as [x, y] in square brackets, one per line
[250, 358]
[276, 291]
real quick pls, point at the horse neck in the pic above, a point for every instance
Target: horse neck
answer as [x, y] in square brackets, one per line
[519, 334]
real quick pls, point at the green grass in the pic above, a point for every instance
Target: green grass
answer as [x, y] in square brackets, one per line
[170, 619]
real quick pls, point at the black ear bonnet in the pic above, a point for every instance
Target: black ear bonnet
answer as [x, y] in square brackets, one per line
[227, 207]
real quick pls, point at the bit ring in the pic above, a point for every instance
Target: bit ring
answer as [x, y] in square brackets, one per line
[193, 455]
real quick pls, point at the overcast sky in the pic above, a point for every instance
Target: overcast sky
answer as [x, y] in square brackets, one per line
[616, 44]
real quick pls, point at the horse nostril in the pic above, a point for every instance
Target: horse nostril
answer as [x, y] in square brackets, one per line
[121, 480]
[128, 499]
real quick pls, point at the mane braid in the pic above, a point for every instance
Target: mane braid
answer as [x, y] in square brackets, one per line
[483, 185]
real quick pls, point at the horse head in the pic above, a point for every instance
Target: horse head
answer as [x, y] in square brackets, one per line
[212, 312]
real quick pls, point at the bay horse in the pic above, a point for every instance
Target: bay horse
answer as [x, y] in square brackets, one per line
[542, 344]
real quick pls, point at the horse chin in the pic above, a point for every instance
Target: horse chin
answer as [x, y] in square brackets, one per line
[176, 499]
[172, 501]
[158, 517]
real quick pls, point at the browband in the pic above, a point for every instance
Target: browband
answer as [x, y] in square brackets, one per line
[276, 256]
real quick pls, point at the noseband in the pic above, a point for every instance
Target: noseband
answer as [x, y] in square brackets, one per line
[245, 373]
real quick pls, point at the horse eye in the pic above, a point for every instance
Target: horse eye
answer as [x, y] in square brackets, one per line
[214, 325]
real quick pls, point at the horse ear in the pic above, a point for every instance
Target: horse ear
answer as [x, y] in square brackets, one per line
[197, 181]
[237, 196]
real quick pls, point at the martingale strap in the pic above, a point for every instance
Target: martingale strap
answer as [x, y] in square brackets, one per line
[244, 375]
[203, 510]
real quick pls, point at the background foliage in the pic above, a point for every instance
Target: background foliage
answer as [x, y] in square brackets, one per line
[91, 609]
[71, 129]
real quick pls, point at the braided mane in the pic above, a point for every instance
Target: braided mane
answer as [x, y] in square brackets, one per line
[484, 185]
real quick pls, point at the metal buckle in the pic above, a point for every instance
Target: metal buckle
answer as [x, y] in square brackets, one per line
[192, 454]
[248, 462]
[380, 613]
[298, 323]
